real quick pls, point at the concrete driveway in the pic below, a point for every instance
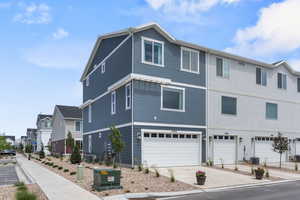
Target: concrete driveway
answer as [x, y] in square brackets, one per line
[215, 178]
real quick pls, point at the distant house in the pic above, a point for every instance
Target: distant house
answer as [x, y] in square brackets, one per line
[66, 119]
[31, 136]
[10, 139]
[44, 130]
[23, 140]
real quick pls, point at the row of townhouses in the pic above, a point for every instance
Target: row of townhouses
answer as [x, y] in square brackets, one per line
[178, 103]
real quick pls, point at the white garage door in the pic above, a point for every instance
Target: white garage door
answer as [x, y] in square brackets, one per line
[224, 149]
[264, 150]
[171, 149]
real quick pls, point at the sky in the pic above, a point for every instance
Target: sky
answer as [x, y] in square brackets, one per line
[45, 44]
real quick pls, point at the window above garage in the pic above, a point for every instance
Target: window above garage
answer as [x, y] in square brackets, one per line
[229, 105]
[172, 98]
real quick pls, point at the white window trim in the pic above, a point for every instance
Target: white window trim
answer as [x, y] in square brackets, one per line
[128, 95]
[161, 99]
[87, 81]
[90, 114]
[224, 60]
[286, 78]
[143, 52]
[79, 126]
[113, 103]
[181, 62]
[103, 68]
[261, 77]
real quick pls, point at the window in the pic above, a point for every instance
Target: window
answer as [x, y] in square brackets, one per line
[153, 135]
[222, 68]
[281, 81]
[90, 114]
[78, 126]
[87, 81]
[113, 102]
[261, 77]
[152, 52]
[128, 96]
[146, 135]
[161, 135]
[102, 68]
[298, 84]
[189, 60]
[229, 105]
[172, 99]
[90, 143]
[271, 111]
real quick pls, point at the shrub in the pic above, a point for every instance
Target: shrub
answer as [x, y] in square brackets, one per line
[296, 167]
[72, 173]
[19, 184]
[267, 174]
[236, 169]
[156, 172]
[60, 168]
[22, 188]
[25, 195]
[140, 168]
[172, 177]
[146, 170]
[115, 166]
[75, 157]
[66, 170]
[54, 166]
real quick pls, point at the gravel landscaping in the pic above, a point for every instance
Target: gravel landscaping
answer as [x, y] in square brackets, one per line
[132, 181]
[8, 192]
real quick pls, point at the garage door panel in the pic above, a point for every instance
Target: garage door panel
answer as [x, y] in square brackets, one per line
[225, 150]
[264, 150]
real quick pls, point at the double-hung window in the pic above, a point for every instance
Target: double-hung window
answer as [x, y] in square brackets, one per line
[113, 102]
[90, 113]
[152, 52]
[128, 96]
[229, 105]
[281, 81]
[222, 68]
[78, 125]
[173, 98]
[102, 68]
[271, 111]
[261, 77]
[189, 60]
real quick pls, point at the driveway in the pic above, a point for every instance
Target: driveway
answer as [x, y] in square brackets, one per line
[216, 178]
[8, 175]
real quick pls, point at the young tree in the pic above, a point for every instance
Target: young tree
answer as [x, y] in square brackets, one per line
[116, 142]
[70, 142]
[28, 148]
[280, 145]
[75, 156]
[42, 153]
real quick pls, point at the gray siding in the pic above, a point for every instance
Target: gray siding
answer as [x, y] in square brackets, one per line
[116, 67]
[101, 112]
[147, 105]
[99, 144]
[172, 54]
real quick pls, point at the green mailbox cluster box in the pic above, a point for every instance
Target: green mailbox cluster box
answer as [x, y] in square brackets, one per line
[107, 179]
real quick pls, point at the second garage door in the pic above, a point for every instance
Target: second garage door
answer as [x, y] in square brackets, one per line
[171, 149]
[264, 150]
[224, 149]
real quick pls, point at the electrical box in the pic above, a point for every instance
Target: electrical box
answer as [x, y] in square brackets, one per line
[106, 179]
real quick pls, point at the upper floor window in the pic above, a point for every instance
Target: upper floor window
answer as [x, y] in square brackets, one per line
[78, 126]
[128, 96]
[113, 102]
[90, 114]
[87, 81]
[102, 68]
[152, 52]
[261, 76]
[173, 99]
[281, 81]
[271, 111]
[189, 60]
[222, 68]
[229, 105]
[298, 84]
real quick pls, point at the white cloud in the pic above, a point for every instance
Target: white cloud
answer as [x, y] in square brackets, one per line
[276, 31]
[295, 63]
[67, 55]
[34, 14]
[60, 33]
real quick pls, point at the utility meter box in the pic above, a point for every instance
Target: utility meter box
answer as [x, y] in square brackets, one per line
[106, 179]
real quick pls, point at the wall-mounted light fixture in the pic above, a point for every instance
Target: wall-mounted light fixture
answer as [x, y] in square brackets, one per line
[139, 136]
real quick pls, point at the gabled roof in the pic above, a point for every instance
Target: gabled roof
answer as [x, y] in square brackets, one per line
[171, 39]
[287, 66]
[71, 112]
[43, 116]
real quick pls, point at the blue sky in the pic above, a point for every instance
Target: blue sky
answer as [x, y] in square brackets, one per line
[45, 44]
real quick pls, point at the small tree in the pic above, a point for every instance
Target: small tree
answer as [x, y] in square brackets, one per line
[75, 156]
[42, 153]
[116, 142]
[280, 145]
[3, 143]
[70, 141]
[28, 148]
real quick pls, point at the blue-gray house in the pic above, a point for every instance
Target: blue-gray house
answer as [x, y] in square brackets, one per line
[153, 88]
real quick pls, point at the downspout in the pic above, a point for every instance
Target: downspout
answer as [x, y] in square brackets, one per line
[132, 70]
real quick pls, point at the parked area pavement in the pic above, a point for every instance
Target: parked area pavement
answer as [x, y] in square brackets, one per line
[282, 191]
[8, 175]
[215, 177]
[53, 185]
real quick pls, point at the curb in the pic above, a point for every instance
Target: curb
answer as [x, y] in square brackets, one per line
[183, 193]
[26, 174]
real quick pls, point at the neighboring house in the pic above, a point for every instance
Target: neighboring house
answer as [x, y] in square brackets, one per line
[44, 130]
[23, 141]
[31, 134]
[153, 88]
[10, 139]
[66, 119]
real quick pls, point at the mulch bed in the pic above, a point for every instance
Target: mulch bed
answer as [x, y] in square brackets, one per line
[8, 192]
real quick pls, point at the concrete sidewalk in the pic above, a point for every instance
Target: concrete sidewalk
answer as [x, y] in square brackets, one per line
[54, 186]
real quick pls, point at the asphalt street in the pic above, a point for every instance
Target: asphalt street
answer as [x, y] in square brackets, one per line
[282, 191]
[8, 175]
